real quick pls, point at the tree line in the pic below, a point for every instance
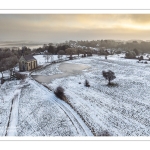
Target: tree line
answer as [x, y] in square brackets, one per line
[142, 46]
[8, 60]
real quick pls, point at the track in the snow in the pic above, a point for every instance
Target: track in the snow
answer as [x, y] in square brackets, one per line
[72, 115]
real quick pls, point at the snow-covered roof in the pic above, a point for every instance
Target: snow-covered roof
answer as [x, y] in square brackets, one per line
[29, 57]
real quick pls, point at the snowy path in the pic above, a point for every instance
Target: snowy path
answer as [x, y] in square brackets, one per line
[80, 126]
[13, 118]
[77, 121]
[11, 129]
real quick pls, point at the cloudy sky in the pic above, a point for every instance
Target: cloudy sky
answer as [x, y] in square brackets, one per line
[62, 27]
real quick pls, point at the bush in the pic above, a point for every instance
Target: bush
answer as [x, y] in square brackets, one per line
[118, 52]
[136, 51]
[141, 58]
[59, 92]
[2, 80]
[20, 76]
[87, 83]
[130, 55]
[105, 133]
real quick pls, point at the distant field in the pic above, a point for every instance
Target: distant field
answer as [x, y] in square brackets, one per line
[20, 44]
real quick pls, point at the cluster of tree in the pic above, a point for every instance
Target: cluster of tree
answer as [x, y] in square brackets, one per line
[61, 50]
[24, 51]
[142, 46]
[130, 55]
[103, 52]
[95, 43]
[66, 48]
[8, 60]
[51, 49]
[117, 52]
[140, 58]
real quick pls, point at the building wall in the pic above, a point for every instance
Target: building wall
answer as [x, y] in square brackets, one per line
[32, 64]
[29, 65]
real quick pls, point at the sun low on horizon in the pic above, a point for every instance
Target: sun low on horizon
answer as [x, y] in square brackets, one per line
[62, 27]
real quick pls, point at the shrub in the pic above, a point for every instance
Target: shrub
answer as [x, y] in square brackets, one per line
[141, 58]
[108, 75]
[118, 52]
[87, 83]
[20, 76]
[2, 80]
[130, 55]
[59, 92]
[136, 51]
[105, 133]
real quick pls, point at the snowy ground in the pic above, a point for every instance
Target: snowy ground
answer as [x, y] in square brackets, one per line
[42, 61]
[122, 110]
[9, 100]
[29, 109]
[45, 115]
[26, 113]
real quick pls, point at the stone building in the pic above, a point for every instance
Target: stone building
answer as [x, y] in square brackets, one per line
[27, 63]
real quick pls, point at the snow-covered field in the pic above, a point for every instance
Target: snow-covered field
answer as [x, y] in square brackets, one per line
[42, 114]
[9, 101]
[122, 110]
[29, 109]
[41, 60]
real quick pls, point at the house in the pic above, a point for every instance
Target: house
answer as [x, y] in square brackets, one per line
[27, 63]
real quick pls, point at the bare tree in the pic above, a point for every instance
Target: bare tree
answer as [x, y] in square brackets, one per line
[79, 51]
[47, 57]
[7, 61]
[60, 54]
[70, 51]
[11, 63]
[2, 66]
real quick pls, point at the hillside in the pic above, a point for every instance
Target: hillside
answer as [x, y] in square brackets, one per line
[28, 108]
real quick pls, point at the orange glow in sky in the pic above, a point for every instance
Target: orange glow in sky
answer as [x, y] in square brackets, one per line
[62, 27]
